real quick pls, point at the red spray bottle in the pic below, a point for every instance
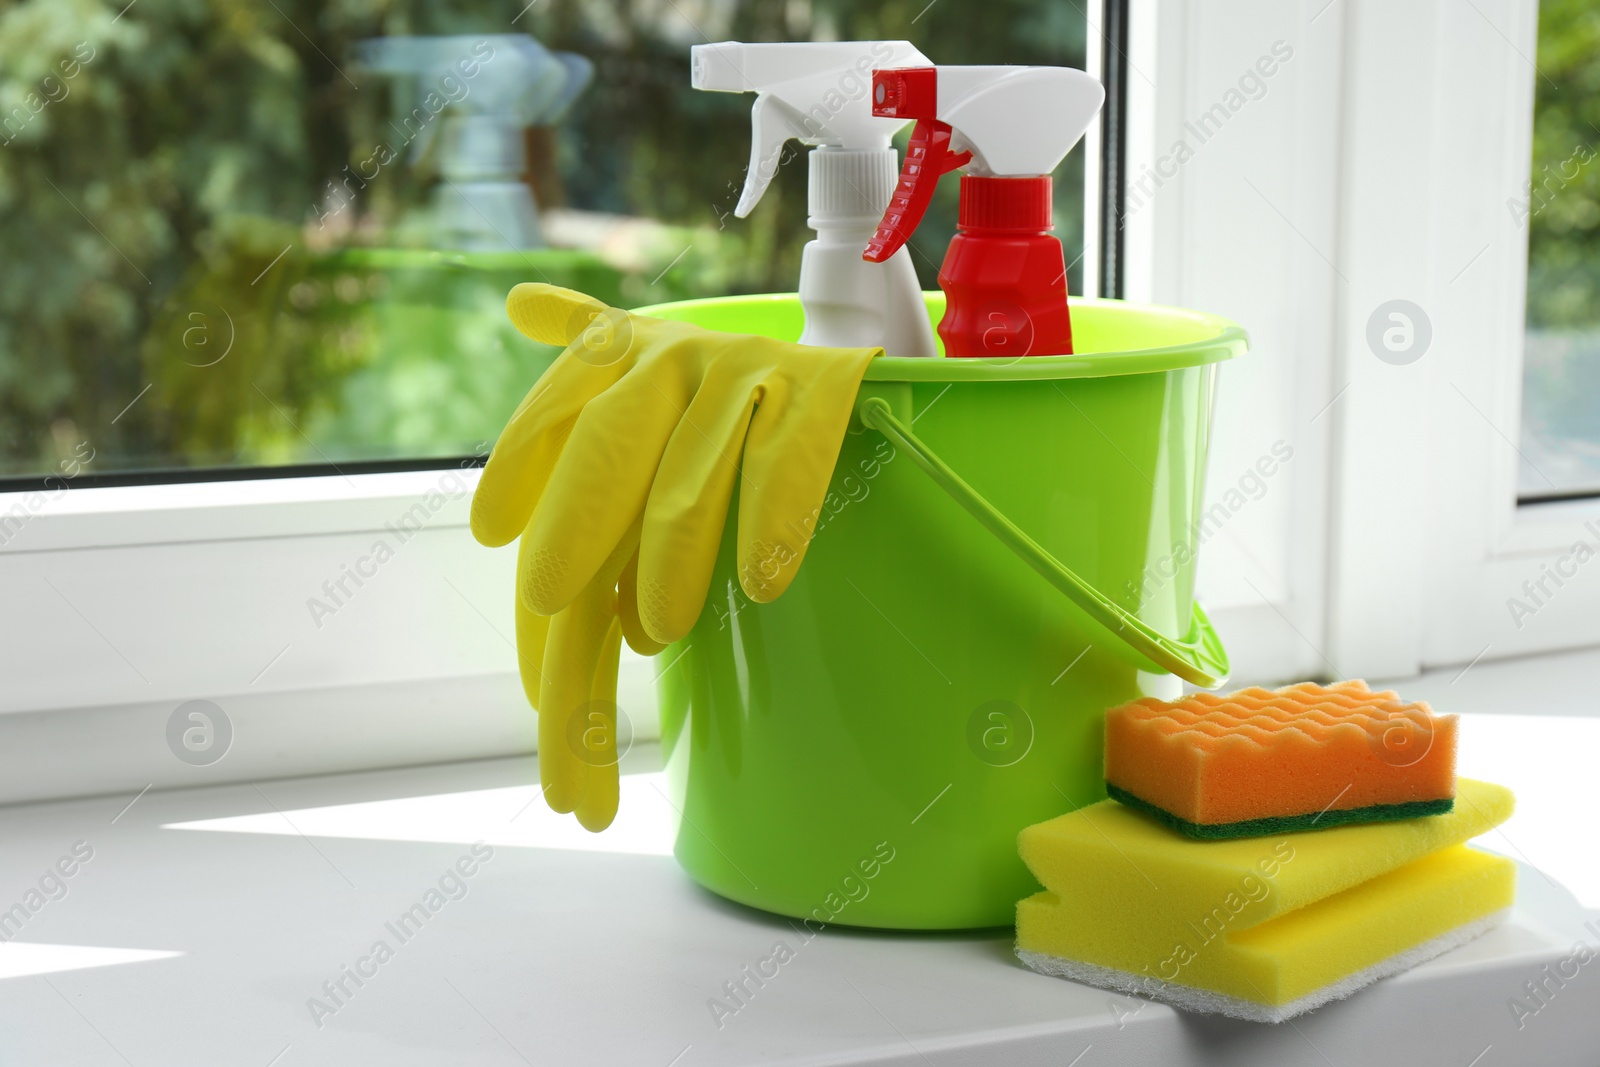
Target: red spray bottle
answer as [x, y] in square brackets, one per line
[1004, 275]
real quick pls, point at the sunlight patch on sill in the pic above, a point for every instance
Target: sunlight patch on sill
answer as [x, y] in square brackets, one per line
[19, 959]
[514, 816]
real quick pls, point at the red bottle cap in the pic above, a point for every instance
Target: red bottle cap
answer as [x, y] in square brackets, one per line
[1005, 205]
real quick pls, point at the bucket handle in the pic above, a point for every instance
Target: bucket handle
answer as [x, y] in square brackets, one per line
[1198, 659]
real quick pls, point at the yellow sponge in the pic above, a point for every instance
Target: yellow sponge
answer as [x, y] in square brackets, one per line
[1258, 928]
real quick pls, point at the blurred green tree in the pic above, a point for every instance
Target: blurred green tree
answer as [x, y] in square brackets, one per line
[162, 167]
[1560, 209]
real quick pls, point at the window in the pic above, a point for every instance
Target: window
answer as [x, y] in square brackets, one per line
[279, 236]
[1561, 212]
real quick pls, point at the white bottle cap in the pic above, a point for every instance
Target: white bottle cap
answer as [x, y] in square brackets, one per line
[847, 184]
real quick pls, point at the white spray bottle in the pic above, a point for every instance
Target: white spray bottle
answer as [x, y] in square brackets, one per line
[821, 94]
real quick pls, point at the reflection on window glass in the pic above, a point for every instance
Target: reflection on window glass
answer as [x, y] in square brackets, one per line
[262, 234]
[1561, 210]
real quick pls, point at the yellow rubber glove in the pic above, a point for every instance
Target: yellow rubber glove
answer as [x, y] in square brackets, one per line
[617, 470]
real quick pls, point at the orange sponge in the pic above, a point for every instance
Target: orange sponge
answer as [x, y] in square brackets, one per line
[1262, 761]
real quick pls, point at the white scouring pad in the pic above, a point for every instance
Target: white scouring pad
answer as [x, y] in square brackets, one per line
[1205, 1001]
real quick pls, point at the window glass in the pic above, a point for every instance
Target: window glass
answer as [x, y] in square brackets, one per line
[1561, 211]
[275, 234]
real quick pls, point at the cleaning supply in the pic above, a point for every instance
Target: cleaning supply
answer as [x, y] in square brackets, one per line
[470, 100]
[1259, 928]
[817, 92]
[617, 471]
[1263, 762]
[1004, 274]
[938, 672]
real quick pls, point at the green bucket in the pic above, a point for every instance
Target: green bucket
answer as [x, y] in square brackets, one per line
[1006, 551]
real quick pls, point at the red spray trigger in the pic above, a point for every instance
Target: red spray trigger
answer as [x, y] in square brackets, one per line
[911, 92]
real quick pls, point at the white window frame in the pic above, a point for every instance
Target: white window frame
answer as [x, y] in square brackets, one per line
[129, 601]
[1377, 167]
[1433, 443]
[1480, 546]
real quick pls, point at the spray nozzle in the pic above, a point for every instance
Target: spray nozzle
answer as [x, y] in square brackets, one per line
[909, 93]
[814, 91]
[996, 121]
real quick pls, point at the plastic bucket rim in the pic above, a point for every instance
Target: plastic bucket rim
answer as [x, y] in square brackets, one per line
[1229, 342]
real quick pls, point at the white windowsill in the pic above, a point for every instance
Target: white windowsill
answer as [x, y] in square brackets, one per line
[208, 918]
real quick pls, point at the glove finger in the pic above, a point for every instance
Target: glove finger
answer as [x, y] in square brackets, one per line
[633, 630]
[598, 488]
[514, 476]
[599, 351]
[580, 636]
[572, 655]
[556, 316]
[533, 632]
[789, 456]
[688, 507]
[598, 805]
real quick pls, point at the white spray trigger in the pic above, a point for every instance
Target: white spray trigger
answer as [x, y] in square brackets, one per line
[772, 123]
